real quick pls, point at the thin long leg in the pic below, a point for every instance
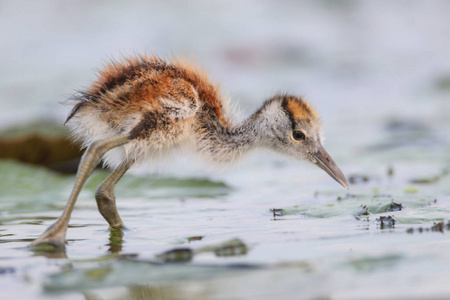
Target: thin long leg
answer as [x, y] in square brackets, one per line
[106, 201]
[56, 233]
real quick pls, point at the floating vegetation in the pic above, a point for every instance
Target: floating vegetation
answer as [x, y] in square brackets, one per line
[234, 247]
[436, 227]
[229, 248]
[119, 272]
[431, 179]
[176, 255]
[364, 211]
[395, 206]
[389, 207]
[194, 238]
[391, 133]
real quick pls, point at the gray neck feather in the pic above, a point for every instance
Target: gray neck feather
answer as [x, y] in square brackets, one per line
[224, 144]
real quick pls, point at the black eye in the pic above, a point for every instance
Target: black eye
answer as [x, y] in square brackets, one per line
[298, 135]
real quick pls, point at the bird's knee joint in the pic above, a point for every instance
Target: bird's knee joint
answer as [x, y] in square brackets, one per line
[103, 195]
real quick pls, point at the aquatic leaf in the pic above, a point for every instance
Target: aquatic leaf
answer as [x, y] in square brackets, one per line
[410, 190]
[176, 255]
[229, 248]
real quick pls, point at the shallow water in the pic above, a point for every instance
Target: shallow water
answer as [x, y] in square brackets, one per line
[376, 71]
[316, 245]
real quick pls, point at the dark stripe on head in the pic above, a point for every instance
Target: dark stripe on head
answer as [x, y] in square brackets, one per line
[284, 105]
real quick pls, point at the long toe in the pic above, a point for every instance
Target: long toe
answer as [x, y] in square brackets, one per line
[53, 237]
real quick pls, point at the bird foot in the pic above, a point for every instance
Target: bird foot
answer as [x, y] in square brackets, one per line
[54, 236]
[117, 226]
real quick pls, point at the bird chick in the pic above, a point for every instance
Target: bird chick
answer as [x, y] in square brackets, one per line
[141, 108]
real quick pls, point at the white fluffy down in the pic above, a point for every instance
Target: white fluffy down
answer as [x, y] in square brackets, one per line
[88, 126]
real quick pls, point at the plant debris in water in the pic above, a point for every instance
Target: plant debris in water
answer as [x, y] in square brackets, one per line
[358, 178]
[194, 238]
[380, 208]
[277, 212]
[386, 222]
[347, 196]
[234, 247]
[437, 227]
[395, 206]
[364, 211]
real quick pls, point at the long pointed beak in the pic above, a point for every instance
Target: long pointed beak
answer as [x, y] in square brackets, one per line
[326, 163]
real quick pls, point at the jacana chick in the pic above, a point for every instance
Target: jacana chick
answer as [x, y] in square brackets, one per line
[142, 108]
